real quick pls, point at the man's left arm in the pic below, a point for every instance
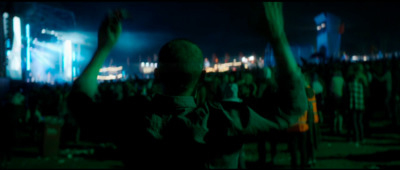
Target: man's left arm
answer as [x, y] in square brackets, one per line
[292, 96]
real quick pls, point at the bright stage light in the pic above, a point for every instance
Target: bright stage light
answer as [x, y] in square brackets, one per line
[82, 38]
[244, 59]
[111, 69]
[5, 20]
[147, 70]
[42, 57]
[14, 57]
[365, 58]
[28, 46]
[73, 57]
[73, 72]
[51, 46]
[109, 77]
[251, 58]
[119, 76]
[68, 60]
[354, 58]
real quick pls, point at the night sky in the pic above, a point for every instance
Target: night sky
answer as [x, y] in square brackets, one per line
[233, 27]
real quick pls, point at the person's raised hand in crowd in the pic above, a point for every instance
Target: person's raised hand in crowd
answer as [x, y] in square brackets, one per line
[290, 79]
[111, 29]
[108, 36]
[286, 63]
[274, 16]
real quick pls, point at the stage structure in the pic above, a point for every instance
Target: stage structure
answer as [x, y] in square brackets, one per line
[37, 50]
[11, 40]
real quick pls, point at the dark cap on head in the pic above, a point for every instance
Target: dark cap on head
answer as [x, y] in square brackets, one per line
[180, 64]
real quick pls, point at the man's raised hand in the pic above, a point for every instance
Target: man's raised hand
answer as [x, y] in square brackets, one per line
[111, 29]
[274, 15]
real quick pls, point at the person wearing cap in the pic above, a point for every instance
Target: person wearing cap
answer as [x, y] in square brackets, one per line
[171, 130]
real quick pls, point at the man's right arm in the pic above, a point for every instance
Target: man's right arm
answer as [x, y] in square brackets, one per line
[81, 99]
[108, 35]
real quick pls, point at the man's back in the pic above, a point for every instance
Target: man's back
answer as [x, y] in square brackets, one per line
[178, 133]
[173, 132]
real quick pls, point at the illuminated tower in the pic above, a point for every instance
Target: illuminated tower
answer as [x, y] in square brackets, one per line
[329, 35]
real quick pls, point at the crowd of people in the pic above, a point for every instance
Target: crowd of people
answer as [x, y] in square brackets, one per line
[253, 105]
[332, 84]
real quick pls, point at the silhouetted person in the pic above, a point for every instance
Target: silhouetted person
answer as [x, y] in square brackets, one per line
[356, 86]
[385, 76]
[396, 92]
[171, 130]
[336, 91]
[10, 114]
